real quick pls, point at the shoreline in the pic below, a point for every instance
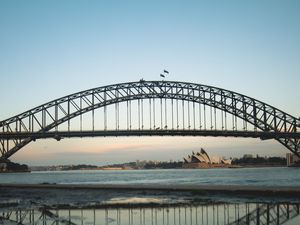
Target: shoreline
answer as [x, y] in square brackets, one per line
[75, 196]
[207, 189]
[191, 166]
[187, 168]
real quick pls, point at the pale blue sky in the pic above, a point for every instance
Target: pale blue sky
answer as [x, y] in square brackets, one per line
[49, 49]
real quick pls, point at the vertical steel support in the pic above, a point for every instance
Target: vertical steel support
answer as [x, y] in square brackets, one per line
[139, 112]
[43, 118]
[265, 119]
[275, 120]
[94, 216]
[150, 118]
[117, 110]
[200, 119]
[268, 214]
[69, 114]
[142, 111]
[244, 115]
[105, 110]
[154, 113]
[161, 114]
[215, 113]
[166, 118]
[127, 110]
[172, 104]
[204, 115]
[56, 116]
[177, 116]
[194, 111]
[93, 111]
[278, 215]
[189, 119]
[183, 114]
[255, 116]
[80, 113]
[257, 215]
[211, 118]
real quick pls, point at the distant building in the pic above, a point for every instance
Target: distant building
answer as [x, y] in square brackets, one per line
[248, 156]
[199, 157]
[202, 160]
[215, 159]
[226, 161]
[292, 159]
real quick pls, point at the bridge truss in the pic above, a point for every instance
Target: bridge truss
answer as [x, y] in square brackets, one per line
[150, 108]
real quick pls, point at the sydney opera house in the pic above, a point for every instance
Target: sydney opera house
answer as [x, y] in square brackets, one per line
[202, 160]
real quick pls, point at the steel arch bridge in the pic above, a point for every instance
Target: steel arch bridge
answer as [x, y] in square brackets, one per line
[151, 108]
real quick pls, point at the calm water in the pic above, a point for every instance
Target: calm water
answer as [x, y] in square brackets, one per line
[38, 208]
[244, 176]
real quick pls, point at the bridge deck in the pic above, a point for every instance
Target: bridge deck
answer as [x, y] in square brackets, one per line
[100, 133]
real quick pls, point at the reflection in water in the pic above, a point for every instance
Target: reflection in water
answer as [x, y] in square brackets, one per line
[208, 214]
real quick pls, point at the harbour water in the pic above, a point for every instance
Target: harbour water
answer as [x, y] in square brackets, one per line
[243, 176]
[55, 205]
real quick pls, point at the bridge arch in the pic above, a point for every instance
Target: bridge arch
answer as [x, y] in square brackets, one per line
[268, 121]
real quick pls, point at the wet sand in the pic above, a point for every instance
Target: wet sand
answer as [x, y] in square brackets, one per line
[100, 195]
[225, 189]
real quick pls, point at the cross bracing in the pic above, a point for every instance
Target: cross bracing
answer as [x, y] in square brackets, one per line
[151, 108]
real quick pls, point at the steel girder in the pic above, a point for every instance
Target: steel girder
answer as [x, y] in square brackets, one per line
[48, 116]
[58, 135]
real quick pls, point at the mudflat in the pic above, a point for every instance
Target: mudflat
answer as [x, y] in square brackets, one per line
[225, 189]
[100, 195]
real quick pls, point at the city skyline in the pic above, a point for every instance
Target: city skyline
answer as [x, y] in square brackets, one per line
[52, 49]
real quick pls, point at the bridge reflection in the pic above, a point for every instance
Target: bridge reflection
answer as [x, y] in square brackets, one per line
[208, 214]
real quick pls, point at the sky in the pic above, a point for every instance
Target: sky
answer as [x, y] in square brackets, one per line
[49, 49]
